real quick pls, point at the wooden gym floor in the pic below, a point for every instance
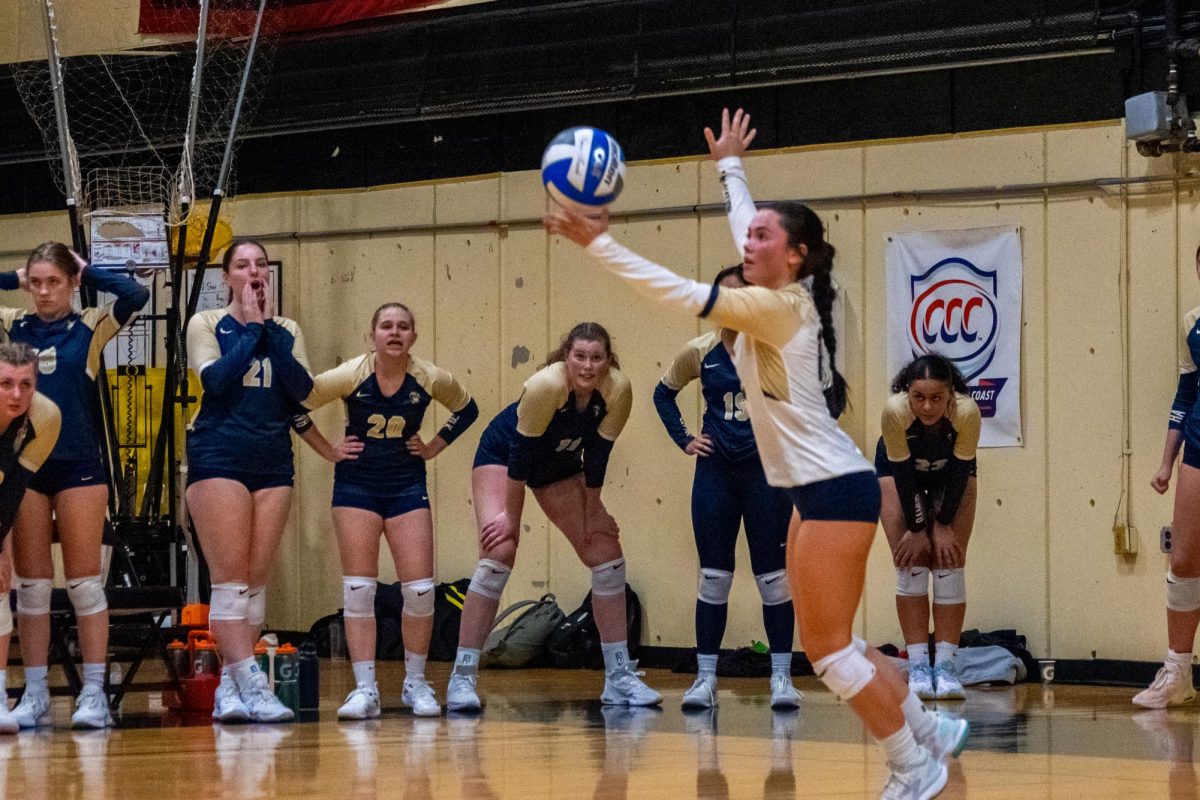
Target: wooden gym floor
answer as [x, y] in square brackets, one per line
[544, 734]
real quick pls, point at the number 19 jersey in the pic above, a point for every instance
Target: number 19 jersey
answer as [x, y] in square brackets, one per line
[725, 419]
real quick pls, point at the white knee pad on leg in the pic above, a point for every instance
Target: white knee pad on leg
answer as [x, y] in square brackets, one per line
[1183, 594]
[87, 595]
[490, 578]
[773, 588]
[358, 597]
[256, 606]
[949, 586]
[714, 586]
[33, 595]
[609, 578]
[418, 597]
[912, 582]
[845, 672]
[229, 601]
[6, 620]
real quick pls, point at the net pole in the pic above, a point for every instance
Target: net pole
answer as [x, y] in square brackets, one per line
[187, 186]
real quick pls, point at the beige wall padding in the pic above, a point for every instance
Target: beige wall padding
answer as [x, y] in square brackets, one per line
[491, 300]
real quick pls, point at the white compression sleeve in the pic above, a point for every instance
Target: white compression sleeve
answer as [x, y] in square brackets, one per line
[739, 205]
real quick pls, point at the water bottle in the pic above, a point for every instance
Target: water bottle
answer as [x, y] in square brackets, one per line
[287, 676]
[207, 662]
[177, 654]
[263, 658]
[310, 677]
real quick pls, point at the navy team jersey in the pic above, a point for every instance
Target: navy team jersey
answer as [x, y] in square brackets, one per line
[254, 376]
[1184, 414]
[69, 353]
[385, 423]
[25, 445]
[725, 419]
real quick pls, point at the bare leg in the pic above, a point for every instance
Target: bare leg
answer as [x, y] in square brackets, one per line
[31, 559]
[1185, 555]
[358, 545]
[948, 617]
[223, 513]
[488, 486]
[410, 537]
[913, 612]
[80, 514]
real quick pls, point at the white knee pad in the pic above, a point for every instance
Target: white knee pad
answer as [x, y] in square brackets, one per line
[609, 578]
[418, 597]
[229, 601]
[845, 672]
[33, 595]
[490, 578]
[6, 620]
[256, 607]
[912, 582]
[358, 597]
[1183, 594]
[87, 595]
[773, 588]
[950, 587]
[714, 586]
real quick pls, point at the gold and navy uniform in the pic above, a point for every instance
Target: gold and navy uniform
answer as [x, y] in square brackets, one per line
[1184, 416]
[544, 437]
[254, 377]
[25, 447]
[384, 424]
[930, 464]
[69, 352]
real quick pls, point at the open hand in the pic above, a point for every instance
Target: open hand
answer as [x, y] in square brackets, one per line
[736, 135]
[580, 229]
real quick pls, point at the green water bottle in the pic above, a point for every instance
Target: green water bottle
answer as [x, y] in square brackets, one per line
[287, 676]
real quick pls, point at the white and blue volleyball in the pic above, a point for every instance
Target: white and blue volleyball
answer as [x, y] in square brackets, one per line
[583, 168]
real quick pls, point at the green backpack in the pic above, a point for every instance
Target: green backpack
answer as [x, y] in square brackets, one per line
[525, 638]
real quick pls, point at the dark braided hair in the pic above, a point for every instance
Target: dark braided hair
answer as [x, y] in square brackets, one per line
[804, 227]
[932, 366]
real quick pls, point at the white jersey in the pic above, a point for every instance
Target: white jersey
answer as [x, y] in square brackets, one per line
[776, 352]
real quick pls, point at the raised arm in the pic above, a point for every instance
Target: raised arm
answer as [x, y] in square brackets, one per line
[727, 150]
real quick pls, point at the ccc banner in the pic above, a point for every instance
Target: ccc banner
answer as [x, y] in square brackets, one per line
[958, 293]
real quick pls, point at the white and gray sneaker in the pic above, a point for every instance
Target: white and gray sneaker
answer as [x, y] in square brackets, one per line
[921, 782]
[703, 693]
[783, 694]
[948, 686]
[362, 703]
[91, 709]
[418, 695]
[461, 694]
[623, 687]
[1172, 686]
[920, 681]
[34, 708]
[948, 738]
[227, 702]
[264, 706]
[8, 723]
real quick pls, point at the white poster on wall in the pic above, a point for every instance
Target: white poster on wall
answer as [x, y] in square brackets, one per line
[958, 293]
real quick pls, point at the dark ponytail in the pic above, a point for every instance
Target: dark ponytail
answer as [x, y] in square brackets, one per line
[804, 227]
[932, 366]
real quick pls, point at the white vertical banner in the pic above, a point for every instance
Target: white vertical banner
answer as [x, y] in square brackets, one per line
[958, 293]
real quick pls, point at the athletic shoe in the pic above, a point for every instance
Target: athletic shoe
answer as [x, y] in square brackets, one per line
[362, 703]
[948, 738]
[461, 694]
[34, 709]
[91, 709]
[1172, 686]
[946, 682]
[703, 693]
[8, 723]
[227, 702]
[783, 693]
[921, 782]
[264, 706]
[920, 680]
[624, 687]
[418, 695]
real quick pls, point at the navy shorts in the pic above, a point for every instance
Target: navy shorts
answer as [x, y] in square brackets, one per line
[253, 481]
[497, 441]
[57, 475]
[1191, 455]
[846, 498]
[386, 504]
[884, 469]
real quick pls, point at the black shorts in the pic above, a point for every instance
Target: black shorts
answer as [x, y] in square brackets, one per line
[57, 475]
[391, 504]
[884, 469]
[1191, 455]
[846, 498]
[251, 480]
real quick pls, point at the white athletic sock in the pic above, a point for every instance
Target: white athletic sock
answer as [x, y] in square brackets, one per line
[920, 721]
[93, 674]
[918, 653]
[36, 676]
[1179, 659]
[616, 655]
[706, 664]
[414, 665]
[945, 651]
[364, 672]
[466, 662]
[901, 748]
[241, 671]
[781, 663]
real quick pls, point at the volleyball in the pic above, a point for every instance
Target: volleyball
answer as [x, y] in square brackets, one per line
[583, 168]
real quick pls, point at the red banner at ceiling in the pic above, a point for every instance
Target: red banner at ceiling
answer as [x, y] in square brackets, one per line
[236, 17]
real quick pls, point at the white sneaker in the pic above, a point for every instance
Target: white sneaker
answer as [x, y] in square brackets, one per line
[461, 694]
[262, 703]
[948, 738]
[920, 680]
[227, 702]
[921, 782]
[8, 723]
[418, 695]
[783, 694]
[947, 685]
[362, 703]
[1172, 686]
[624, 687]
[91, 709]
[34, 709]
[703, 693]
